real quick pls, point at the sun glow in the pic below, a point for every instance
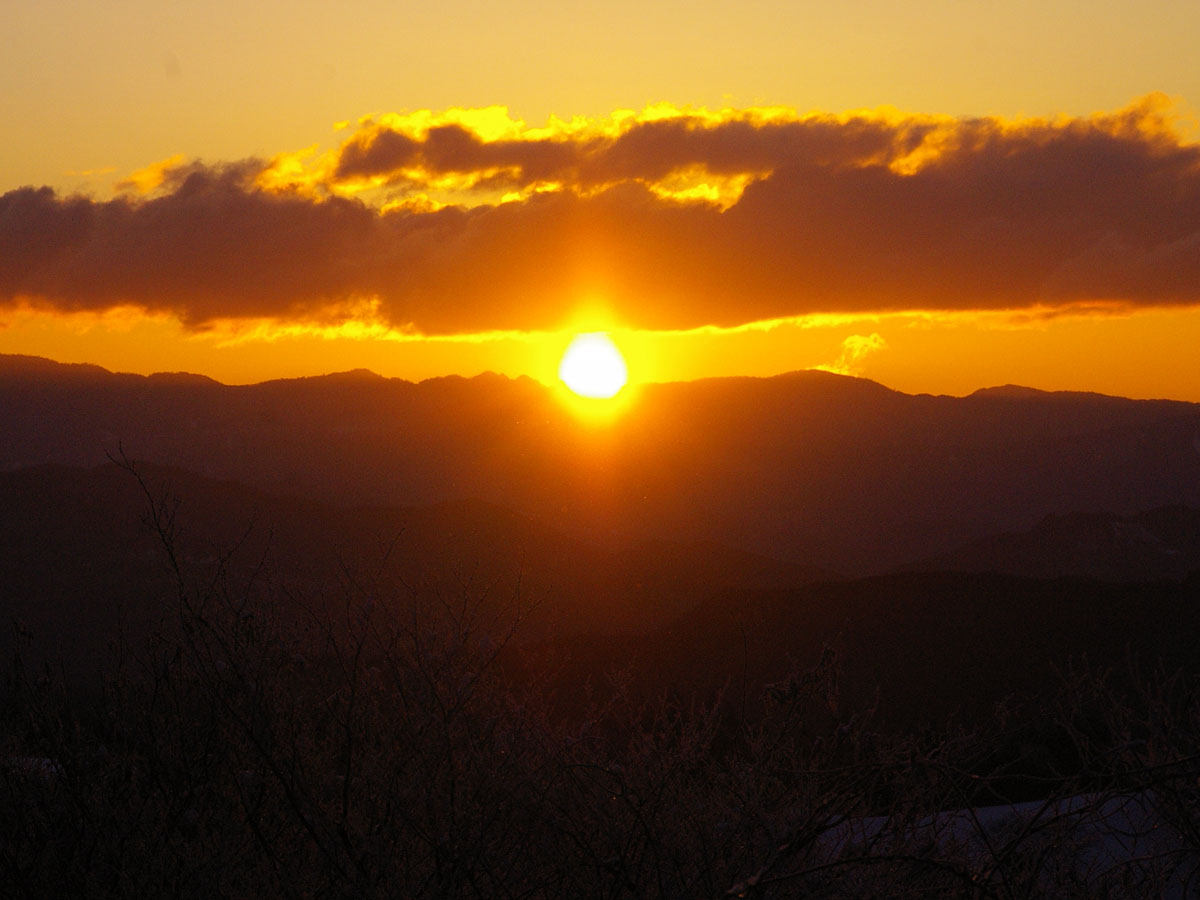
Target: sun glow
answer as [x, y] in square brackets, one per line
[592, 366]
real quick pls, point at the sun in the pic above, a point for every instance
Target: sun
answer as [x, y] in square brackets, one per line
[592, 366]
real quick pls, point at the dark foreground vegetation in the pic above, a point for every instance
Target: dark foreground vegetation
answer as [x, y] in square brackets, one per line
[261, 743]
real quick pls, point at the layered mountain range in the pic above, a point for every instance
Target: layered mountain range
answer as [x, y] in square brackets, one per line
[809, 468]
[717, 535]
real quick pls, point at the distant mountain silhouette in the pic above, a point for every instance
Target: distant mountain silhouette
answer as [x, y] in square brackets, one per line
[1160, 543]
[809, 467]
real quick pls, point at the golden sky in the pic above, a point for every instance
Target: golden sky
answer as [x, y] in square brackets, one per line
[940, 196]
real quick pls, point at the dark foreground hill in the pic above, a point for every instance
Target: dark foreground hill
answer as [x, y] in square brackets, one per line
[1159, 543]
[809, 467]
[81, 568]
[80, 561]
[923, 647]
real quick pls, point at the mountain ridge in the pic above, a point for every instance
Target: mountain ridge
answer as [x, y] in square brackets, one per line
[809, 467]
[15, 362]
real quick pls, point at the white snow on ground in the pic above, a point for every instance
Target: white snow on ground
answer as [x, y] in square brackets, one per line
[1094, 840]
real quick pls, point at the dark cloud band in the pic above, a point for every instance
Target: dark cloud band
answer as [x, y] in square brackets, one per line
[854, 215]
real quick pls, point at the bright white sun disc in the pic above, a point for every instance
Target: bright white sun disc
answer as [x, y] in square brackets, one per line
[592, 366]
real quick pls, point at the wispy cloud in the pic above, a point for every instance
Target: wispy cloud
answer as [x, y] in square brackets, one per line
[854, 349]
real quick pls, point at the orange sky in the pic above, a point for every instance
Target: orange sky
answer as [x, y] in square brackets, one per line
[935, 250]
